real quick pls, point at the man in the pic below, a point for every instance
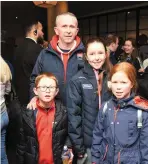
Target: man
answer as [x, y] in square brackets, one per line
[25, 58]
[63, 57]
[112, 42]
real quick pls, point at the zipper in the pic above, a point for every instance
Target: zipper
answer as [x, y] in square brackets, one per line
[115, 112]
[106, 150]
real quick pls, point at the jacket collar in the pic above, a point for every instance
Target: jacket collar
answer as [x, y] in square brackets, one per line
[122, 103]
[80, 48]
[30, 115]
[88, 69]
[31, 39]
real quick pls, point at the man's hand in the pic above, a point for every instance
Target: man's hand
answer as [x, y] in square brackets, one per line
[32, 103]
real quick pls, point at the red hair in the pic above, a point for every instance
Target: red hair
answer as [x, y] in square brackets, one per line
[46, 74]
[129, 70]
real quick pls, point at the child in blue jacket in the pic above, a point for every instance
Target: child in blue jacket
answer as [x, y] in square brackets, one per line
[120, 135]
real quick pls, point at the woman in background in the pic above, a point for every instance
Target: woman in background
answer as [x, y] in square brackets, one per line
[5, 85]
[130, 54]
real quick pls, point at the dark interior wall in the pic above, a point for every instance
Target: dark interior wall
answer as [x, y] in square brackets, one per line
[82, 8]
[26, 10]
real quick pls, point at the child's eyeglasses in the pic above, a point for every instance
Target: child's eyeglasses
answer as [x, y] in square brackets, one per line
[44, 88]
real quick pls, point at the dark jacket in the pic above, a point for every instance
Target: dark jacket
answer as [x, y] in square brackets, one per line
[25, 58]
[143, 52]
[27, 149]
[143, 84]
[132, 59]
[50, 60]
[83, 106]
[116, 136]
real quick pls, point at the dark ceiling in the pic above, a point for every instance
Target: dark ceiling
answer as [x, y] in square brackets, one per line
[82, 8]
[26, 10]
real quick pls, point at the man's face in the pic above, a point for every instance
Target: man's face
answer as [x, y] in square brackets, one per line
[40, 33]
[66, 28]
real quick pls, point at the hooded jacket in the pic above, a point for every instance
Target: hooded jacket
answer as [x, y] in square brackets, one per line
[116, 137]
[50, 60]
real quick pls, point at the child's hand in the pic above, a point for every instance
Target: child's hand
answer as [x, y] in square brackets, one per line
[32, 103]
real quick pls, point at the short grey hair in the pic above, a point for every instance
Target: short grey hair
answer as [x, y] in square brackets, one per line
[64, 14]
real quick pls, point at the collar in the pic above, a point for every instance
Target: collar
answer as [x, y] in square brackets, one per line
[72, 48]
[52, 106]
[88, 69]
[32, 39]
[123, 102]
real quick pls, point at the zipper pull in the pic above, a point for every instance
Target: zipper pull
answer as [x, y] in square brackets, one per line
[115, 112]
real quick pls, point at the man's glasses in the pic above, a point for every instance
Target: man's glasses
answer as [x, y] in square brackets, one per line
[44, 88]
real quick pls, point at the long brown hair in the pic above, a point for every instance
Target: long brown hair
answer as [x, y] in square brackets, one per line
[134, 54]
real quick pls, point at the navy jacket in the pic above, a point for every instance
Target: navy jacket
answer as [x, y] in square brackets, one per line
[83, 106]
[50, 61]
[117, 138]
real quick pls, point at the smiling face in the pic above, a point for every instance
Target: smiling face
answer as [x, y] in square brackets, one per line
[66, 28]
[128, 47]
[46, 90]
[121, 85]
[96, 54]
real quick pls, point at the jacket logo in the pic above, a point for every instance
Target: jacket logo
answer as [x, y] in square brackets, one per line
[80, 55]
[87, 86]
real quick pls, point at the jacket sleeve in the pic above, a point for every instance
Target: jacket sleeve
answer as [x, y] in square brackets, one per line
[21, 147]
[36, 71]
[68, 142]
[74, 100]
[97, 139]
[144, 141]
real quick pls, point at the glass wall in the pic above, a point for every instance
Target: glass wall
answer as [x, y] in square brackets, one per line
[126, 23]
[143, 27]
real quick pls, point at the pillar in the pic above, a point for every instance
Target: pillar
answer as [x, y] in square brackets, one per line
[54, 8]
[52, 12]
[50, 21]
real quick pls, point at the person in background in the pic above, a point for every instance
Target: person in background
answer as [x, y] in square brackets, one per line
[63, 57]
[131, 55]
[25, 58]
[121, 130]
[112, 42]
[5, 85]
[119, 48]
[45, 129]
[86, 91]
[143, 50]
